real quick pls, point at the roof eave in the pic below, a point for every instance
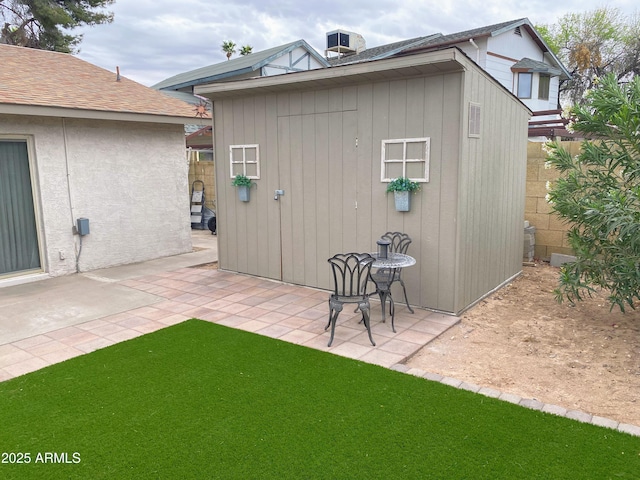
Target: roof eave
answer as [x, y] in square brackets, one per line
[533, 33]
[435, 62]
[213, 78]
[60, 112]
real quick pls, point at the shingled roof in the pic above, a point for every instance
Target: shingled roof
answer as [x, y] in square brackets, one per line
[442, 41]
[233, 68]
[379, 52]
[40, 82]
[438, 41]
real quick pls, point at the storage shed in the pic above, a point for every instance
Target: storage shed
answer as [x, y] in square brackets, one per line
[330, 140]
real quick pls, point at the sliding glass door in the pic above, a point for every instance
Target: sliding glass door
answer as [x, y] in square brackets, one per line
[19, 250]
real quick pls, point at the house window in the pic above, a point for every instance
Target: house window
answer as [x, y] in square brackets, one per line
[205, 155]
[199, 155]
[245, 160]
[474, 120]
[524, 85]
[543, 87]
[406, 157]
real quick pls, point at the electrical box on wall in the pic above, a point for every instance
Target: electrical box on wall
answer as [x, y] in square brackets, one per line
[82, 225]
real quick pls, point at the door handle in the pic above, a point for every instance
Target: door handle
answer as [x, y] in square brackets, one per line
[276, 196]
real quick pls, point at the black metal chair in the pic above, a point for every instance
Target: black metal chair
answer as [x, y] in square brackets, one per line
[351, 272]
[384, 278]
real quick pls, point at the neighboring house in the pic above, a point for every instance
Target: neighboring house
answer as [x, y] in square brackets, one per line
[322, 146]
[79, 142]
[513, 52]
[293, 57]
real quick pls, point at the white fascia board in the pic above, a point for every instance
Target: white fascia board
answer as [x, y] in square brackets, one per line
[40, 111]
[337, 73]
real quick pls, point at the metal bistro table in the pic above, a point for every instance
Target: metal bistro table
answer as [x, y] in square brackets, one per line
[383, 282]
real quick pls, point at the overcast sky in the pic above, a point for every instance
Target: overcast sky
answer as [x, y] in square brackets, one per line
[151, 40]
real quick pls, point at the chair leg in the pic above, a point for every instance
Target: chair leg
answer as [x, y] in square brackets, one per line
[405, 296]
[392, 312]
[333, 317]
[364, 308]
[330, 315]
[334, 310]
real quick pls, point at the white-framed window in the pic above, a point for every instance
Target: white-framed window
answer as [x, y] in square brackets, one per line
[245, 160]
[525, 82]
[474, 119]
[405, 157]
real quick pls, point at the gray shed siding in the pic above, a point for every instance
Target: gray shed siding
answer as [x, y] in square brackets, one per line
[323, 148]
[491, 185]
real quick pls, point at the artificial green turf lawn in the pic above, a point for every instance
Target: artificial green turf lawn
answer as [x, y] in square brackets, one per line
[199, 400]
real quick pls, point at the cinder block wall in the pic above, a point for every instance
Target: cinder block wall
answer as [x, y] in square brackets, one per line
[204, 171]
[550, 229]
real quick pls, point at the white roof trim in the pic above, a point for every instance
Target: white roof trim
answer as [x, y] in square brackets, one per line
[40, 111]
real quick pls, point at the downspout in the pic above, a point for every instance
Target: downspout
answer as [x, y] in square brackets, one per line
[477, 50]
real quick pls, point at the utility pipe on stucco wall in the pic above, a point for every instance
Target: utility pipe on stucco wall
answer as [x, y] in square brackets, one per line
[66, 160]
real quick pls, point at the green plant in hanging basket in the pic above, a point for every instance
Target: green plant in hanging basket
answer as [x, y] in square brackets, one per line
[242, 181]
[403, 184]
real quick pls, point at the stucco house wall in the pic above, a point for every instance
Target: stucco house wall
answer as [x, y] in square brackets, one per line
[83, 142]
[129, 180]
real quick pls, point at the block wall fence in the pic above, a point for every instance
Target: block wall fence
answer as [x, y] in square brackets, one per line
[551, 231]
[205, 172]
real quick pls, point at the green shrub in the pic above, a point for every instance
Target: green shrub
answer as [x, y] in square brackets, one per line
[241, 181]
[598, 194]
[402, 184]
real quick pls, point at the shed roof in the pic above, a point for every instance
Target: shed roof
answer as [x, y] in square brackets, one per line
[237, 66]
[438, 62]
[445, 61]
[41, 82]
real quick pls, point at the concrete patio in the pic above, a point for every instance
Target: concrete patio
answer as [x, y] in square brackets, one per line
[52, 320]
[49, 321]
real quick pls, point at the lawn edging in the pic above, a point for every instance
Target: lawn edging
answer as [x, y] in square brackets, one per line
[530, 403]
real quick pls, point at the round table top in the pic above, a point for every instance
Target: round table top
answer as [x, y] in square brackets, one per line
[393, 260]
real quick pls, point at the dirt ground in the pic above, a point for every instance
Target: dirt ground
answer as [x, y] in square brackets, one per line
[520, 340]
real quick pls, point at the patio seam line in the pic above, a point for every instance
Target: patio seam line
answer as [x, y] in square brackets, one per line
[530, 403]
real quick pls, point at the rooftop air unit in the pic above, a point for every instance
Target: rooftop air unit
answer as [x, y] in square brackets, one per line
[341, 41]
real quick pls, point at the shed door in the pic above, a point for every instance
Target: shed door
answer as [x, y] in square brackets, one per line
[19, 248]
[317, 170]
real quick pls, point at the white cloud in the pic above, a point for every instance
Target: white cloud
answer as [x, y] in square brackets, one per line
[154, 39]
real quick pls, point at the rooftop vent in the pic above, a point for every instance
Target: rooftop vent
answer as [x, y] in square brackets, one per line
[517, 31]
[343, 42]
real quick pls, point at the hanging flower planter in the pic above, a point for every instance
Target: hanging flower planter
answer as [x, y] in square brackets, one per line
[402, 200]
[244, 187]
[244, 193]
[402, 189]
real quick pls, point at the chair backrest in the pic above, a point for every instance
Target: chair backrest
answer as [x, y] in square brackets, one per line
[399, 241]
[350, 273]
